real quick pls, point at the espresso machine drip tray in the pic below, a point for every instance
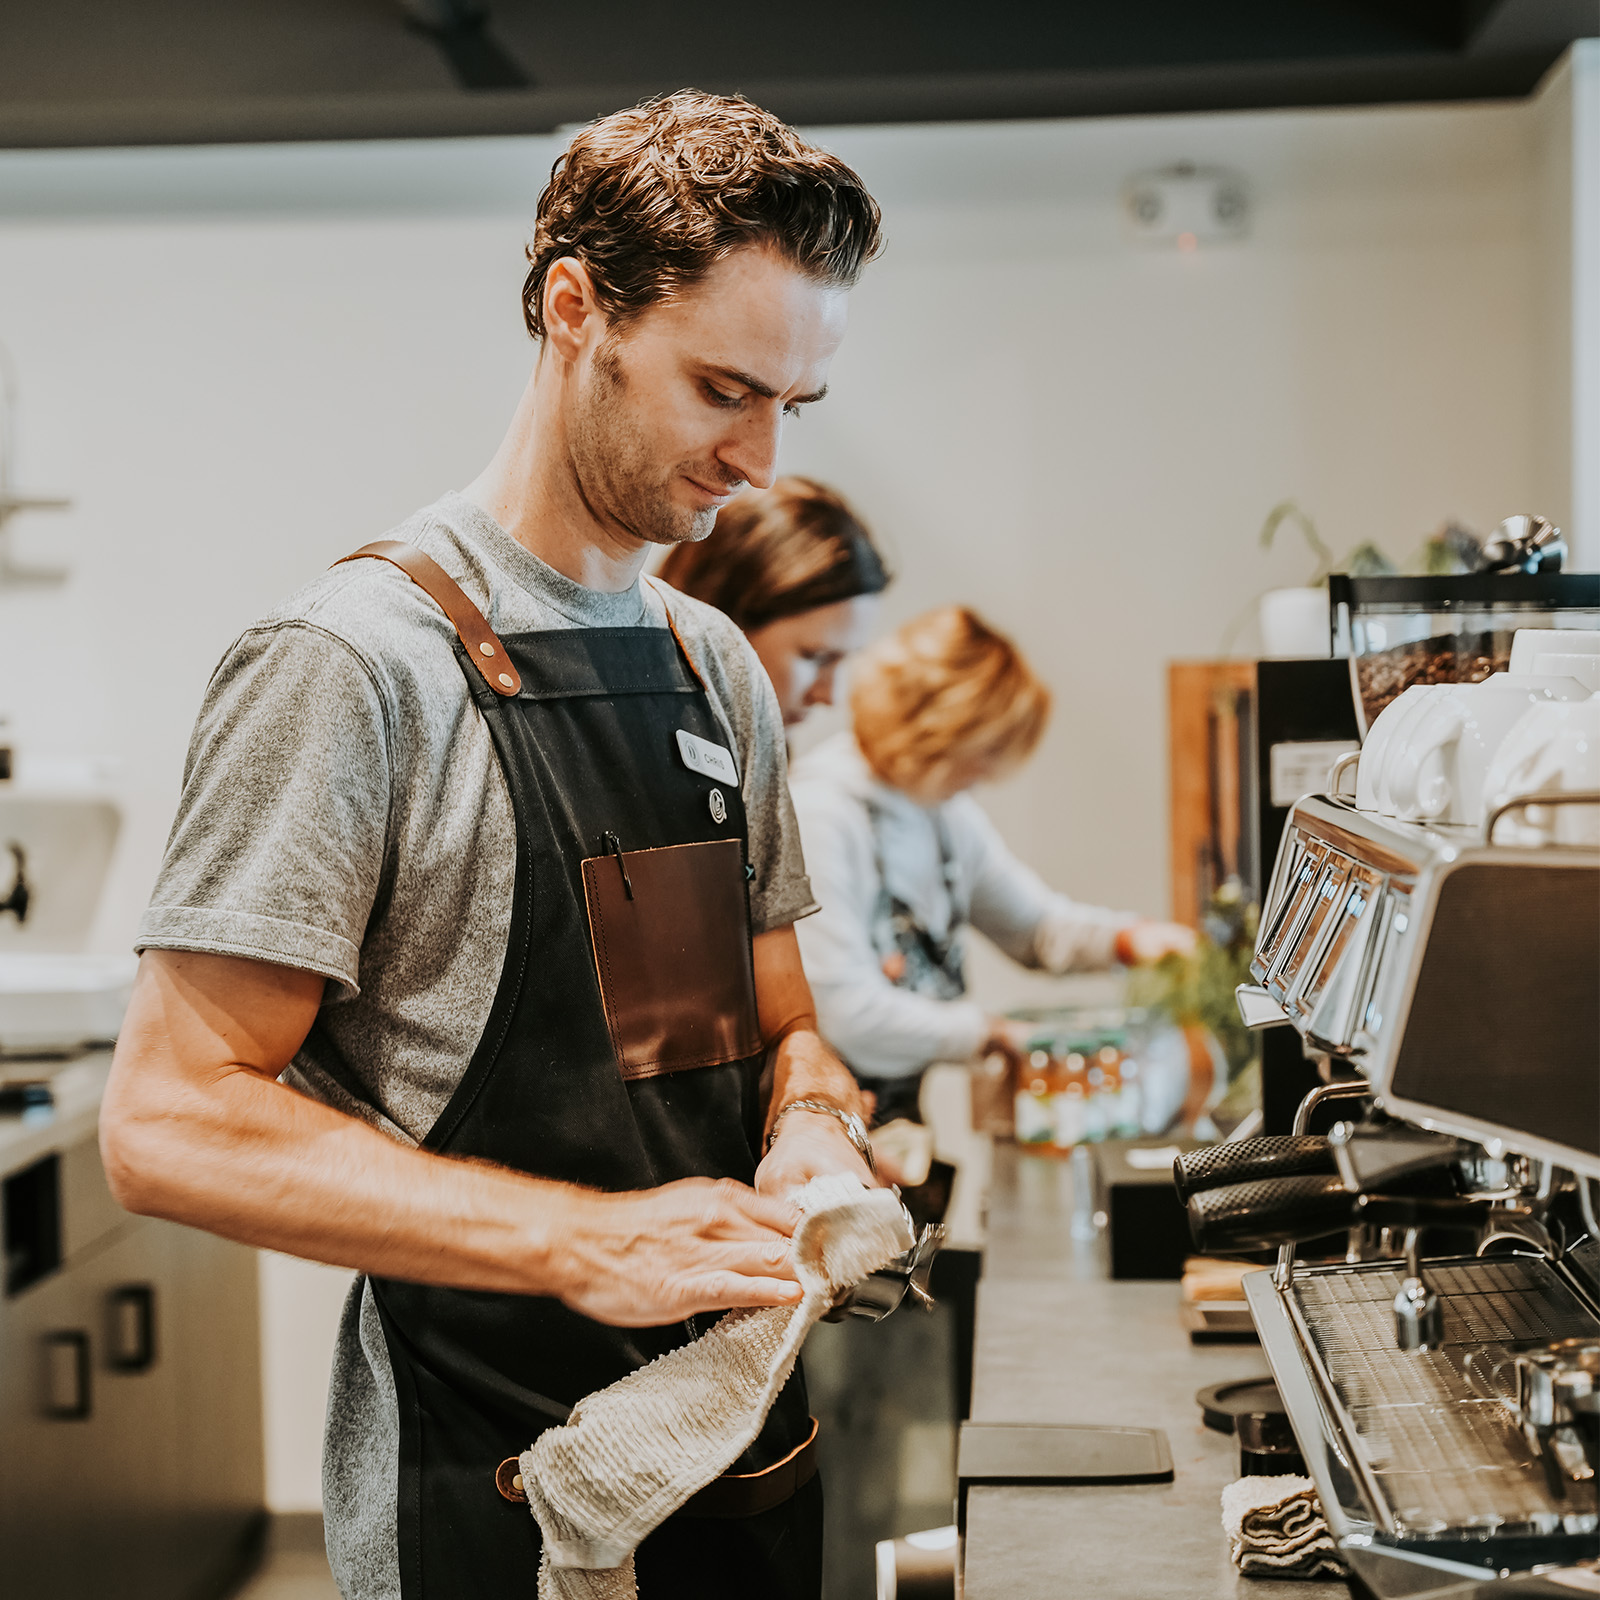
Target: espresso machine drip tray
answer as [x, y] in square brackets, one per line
[1424, 1451]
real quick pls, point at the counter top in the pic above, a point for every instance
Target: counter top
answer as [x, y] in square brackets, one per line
[1057, 1341]
[77, 1086]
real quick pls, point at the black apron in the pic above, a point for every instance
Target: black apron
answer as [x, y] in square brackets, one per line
[621, 1052]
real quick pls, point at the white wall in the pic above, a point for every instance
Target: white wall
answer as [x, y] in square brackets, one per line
[1566, 127]
[241, 363]
[1584, 419]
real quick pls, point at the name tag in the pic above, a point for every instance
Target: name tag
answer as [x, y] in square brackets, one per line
[709, 760]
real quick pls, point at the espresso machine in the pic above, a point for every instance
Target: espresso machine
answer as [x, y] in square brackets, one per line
[1440, 1357]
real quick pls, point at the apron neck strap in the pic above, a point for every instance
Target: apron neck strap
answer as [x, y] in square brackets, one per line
[662, 591]
[483, 647]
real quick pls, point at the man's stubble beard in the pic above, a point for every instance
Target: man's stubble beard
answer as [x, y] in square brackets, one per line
[617, 478]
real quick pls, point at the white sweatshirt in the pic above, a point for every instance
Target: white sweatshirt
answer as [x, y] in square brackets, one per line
[884, 1030]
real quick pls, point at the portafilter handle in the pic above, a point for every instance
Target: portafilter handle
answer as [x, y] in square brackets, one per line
[882, 1292]
[1288, 1211]
[1214, 1166]
[1269, 1211]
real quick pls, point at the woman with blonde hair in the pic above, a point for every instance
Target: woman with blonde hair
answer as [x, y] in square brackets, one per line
[903, 858]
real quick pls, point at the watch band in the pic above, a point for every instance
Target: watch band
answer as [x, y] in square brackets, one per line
[855, 1129]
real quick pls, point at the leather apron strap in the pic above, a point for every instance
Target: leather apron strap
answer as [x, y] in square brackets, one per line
[483, 647]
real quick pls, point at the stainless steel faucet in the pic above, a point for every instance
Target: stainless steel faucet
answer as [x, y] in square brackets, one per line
[1339, 1089]
[1418, 1316]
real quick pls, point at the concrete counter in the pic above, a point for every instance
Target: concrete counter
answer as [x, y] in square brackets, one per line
[1057, 1341]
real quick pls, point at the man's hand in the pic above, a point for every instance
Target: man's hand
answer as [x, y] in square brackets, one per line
[656, 1256]
[810, 1144]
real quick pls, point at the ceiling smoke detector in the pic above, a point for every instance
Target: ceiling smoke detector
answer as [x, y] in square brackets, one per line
[1187, 206]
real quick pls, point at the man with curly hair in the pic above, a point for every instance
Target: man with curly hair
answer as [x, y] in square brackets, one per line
[471, 964]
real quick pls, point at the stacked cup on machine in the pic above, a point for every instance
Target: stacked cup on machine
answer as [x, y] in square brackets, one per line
[1453, 753]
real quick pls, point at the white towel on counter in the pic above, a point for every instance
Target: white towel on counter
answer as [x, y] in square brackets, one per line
[632, 1454]
[1276, 1529]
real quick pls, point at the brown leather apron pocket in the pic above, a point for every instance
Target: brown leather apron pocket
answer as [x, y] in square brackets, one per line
[671, 936]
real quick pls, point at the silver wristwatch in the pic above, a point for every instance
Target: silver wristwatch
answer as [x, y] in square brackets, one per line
[855, 1129]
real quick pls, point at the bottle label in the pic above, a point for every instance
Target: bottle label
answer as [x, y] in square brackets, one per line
[1035, 1122]
[1069, 1119]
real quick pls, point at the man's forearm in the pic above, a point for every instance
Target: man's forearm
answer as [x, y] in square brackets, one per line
[195, 1127]
[257, 1162]
[805, 1068]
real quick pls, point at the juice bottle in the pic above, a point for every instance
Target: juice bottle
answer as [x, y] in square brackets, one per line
[1108, 1058]
[1094, 1116]
[1036, 1123]
[1071, 1102]
[1130, 1114]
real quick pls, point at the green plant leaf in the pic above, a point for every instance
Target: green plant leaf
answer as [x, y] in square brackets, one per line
[1368, 561]
[1289, 511]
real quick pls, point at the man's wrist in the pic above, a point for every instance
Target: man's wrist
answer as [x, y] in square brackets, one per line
[820, 1108]
[560, 1218]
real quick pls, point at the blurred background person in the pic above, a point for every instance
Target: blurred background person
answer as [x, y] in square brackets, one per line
[798, 571]
[903, 858]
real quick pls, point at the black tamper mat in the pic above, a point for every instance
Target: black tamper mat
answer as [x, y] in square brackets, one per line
[1222, 1404]
[1026, 1452]
[1063, 1453]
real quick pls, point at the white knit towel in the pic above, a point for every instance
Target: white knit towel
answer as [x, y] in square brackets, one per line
[1276, 1529]
[630, 1455]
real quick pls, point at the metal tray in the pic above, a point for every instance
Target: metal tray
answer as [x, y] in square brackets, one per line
[1412, 1457]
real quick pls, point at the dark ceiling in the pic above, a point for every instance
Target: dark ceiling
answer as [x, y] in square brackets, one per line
[111, 72]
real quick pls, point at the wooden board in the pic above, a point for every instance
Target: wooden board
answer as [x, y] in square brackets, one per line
[1204, 729]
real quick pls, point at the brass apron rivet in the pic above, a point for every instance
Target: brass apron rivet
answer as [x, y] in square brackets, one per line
[486, 649]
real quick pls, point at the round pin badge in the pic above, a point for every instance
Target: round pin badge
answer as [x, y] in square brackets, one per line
[719, 807]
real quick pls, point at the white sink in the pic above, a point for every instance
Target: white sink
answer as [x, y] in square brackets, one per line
[59, 1003]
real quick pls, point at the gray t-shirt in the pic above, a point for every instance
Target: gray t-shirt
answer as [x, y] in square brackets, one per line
[343, 812]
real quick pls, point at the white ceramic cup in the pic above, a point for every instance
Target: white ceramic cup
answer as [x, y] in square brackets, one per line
[1381, 736]
[1438, 773]
[1585, 668]
[1400, 741]
[1553, 749]
[1529, 644]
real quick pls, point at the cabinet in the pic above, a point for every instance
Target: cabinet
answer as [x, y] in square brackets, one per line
[130, 1409]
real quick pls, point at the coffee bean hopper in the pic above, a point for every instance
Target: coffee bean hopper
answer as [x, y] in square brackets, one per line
[1401, 631]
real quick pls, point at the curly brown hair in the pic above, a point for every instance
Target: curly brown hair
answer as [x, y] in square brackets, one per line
[778, 552]
[651, 198]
